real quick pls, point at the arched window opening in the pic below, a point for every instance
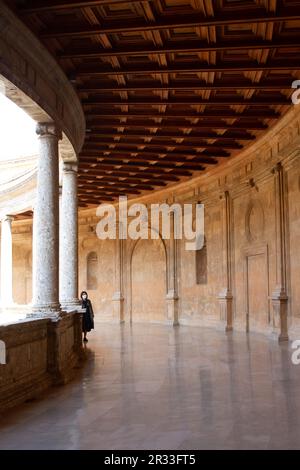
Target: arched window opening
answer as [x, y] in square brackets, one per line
[92, 271]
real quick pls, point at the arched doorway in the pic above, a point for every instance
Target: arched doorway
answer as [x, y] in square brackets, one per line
[148, 282]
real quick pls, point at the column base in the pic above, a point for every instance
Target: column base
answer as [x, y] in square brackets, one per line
[226, 314]
[70, 305]
[118, 307]
[280, 310]
[172, 308]
[65, 348]
[52, 311]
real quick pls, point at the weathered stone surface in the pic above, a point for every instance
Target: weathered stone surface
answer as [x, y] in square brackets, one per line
[245, 244]
[39, 353]
[46, 223]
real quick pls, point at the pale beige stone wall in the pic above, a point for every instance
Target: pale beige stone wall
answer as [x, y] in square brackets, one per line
[103, 290]
[38, 353]
[198, 302]
[148, 281]
[251, 185]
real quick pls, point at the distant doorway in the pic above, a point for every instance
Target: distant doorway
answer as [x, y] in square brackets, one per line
[148, 282]
[257, 315]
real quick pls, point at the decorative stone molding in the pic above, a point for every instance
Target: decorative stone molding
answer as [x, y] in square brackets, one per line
[48, 129]
[7, 218]
[172, 308]
[70, 167]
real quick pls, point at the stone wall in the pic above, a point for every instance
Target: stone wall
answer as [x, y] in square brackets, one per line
[251, 267]
[39, 353]
[255, 198]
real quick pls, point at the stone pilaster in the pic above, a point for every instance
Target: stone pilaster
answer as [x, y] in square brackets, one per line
[279, 295]
[68, 285]
[46, 224]
[118, 298]
[6, 262]
[225, 296]
[172, 294]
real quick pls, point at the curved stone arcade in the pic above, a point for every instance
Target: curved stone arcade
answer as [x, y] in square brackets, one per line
[174, 102]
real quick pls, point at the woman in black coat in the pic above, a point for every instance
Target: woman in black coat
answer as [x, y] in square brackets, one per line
[88, 315]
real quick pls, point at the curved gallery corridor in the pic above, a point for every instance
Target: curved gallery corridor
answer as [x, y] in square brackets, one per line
[165, 102]
[160, 387]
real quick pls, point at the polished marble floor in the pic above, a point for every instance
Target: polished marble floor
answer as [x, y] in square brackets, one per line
[158, 387]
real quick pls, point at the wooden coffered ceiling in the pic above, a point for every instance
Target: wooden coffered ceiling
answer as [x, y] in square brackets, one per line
[169, 87]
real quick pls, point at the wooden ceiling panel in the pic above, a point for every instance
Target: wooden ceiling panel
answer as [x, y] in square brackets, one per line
[169, 87]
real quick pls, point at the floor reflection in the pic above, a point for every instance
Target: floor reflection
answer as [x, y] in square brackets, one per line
[158, 387]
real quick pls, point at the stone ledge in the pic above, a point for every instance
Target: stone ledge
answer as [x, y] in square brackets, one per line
[39, 353]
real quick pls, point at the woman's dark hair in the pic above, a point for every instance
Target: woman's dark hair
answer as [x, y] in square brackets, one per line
[83, 292]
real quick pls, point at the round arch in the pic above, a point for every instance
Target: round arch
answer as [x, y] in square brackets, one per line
[148, 279]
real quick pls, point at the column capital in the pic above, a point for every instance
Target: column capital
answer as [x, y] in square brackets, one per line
[7, 217]
[70, 167]
[48, 129]
[224, 194]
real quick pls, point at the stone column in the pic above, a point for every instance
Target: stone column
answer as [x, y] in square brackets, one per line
[172, 295]
[225, 296]
[279, 296]
[46, 224]
[118, 298]
[68, 285]
[6, 262]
